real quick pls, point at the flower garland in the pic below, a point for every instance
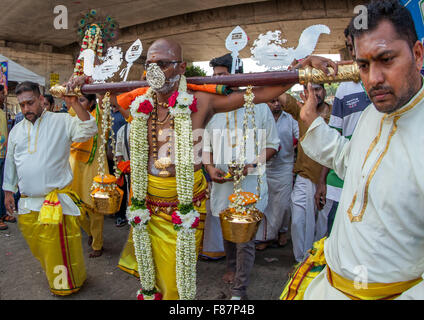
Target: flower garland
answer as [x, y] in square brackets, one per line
[186, 218]
[238, 203]
[137, 214]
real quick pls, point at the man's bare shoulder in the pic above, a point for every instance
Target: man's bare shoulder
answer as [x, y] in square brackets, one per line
[202, 95]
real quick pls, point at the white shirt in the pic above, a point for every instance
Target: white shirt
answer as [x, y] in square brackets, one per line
[224, 141]
[37, 158]
[379, 226]
[121, 149]
[287, 129]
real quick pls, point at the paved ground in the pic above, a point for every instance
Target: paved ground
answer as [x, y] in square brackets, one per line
[21, 276]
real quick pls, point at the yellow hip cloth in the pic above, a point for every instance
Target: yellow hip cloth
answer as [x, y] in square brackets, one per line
[83, 179]
[315, 263]
[161, 198]
[58, 248]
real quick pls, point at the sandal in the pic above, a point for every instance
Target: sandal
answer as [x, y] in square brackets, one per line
[9, 219]
[3, 226]
[262, 246]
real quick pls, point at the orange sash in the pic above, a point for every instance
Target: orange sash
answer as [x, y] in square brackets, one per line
[125, 99]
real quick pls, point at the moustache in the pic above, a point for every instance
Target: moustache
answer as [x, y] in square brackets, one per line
[374, 91]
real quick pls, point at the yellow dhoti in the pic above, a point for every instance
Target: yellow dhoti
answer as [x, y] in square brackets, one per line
[314, 266]
[59, 250]
[162, 200]
[84, 161]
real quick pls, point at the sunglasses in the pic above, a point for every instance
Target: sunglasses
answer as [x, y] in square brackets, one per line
[161, 64]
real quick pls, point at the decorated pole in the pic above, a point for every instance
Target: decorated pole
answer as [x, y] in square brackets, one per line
[346, 72]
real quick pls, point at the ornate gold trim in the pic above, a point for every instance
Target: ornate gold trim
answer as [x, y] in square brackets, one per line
[396, 116]
[375, 141]
[346, 72]
[371, 175]
[59, 91]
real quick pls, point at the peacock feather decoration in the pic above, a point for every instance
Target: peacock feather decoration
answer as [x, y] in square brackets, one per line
[95, 32]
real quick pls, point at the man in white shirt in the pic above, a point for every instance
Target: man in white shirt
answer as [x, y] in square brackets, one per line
[222, 140]
[375, 250]
[38, 162]
[279, 172]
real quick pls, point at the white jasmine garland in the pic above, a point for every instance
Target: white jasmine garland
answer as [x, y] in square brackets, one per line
[249, 106]
[186, 255]
[186, 264]
[139, 162]
[138, 217]
[143, 254]
[184, 100]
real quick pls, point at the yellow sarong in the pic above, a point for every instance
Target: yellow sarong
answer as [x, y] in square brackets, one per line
[315, 263]
[58, 248]
[162, 192]
[84, 161]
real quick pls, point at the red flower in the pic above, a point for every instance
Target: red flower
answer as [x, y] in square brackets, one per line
[125, 166]
[172, 101]
[195, 223]
[140, 297]
[176, 219]
[145, 107]
[158, 296]
[193, 106]
[137, 220]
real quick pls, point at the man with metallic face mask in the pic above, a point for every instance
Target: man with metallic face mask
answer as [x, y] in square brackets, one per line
[165, 66]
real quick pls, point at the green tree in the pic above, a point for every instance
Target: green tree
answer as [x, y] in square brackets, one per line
[194, 71]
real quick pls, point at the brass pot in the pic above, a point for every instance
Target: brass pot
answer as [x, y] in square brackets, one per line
[240, 228]
[107, 201]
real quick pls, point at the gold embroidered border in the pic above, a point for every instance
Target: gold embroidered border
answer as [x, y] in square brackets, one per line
[396, 116]
[373, 171]
[374, 142]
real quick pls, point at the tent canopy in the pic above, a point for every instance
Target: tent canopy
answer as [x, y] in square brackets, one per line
[18, 73]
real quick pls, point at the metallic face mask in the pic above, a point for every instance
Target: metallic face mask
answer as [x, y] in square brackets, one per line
[155, 76]
[157, 80]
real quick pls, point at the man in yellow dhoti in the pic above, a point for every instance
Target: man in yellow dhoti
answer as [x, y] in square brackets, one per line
[162, 200]
[375, 250]
[84, 162]
[38, 162]
[157, 181]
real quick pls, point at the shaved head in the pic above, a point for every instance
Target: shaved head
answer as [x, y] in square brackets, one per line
[166, 47]
[167, 55]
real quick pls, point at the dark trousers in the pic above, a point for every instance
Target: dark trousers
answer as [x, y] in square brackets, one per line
[240, 259]
[331, 217]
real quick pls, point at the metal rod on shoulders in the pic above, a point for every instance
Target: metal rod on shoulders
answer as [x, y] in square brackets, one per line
[346, 72]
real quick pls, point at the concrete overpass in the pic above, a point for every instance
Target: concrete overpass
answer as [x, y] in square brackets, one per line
[28, 36]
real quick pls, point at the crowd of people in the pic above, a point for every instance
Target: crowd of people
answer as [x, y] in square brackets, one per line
[342, 180]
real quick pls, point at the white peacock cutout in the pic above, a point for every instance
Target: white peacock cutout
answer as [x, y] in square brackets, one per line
[268, 50]
[109, 65]
[132, 54]
[235, 42]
